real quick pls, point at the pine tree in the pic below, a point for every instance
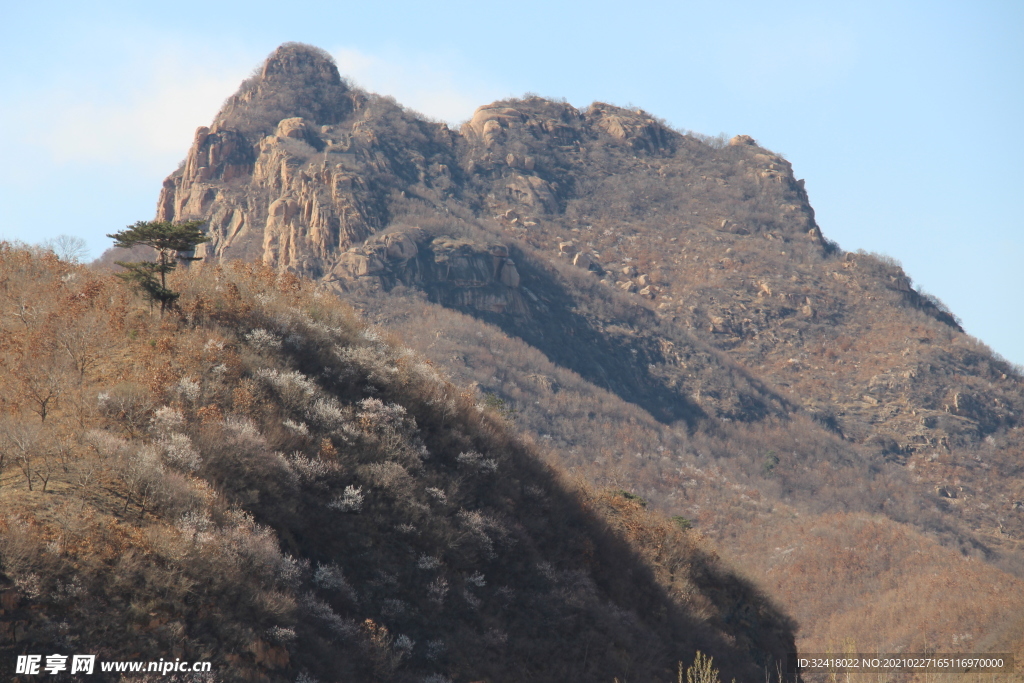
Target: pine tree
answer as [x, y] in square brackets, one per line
[171, 242]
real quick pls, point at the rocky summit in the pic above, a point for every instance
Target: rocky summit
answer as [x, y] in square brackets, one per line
[659, 312]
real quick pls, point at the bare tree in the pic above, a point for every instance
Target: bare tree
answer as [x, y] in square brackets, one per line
[22, 439]
[68, 248]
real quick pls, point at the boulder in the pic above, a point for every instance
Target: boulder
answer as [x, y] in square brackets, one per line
[742, 140]
[488, 122]
[400, 245]
[360, 265]
[531, 191]
[292, 128]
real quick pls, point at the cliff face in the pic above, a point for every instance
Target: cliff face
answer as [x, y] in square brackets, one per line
[455, 272]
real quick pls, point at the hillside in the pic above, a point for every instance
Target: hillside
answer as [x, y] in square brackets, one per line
[662, 313]
[261, 481]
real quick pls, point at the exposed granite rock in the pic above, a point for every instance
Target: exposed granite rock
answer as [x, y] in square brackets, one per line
[637, 128]
[454, 272]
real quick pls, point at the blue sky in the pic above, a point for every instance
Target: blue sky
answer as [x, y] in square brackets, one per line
[903, 117]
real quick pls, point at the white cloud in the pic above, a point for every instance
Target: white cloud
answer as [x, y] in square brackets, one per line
[145, 113]
[144, 116]
[429, 84]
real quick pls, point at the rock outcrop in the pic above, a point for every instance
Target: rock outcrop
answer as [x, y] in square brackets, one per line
[454, 272]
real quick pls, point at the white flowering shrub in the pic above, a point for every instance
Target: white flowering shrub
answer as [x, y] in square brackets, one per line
[392, 607]
[294, 388]
[128, 405]
[255, 547]
[470, 599]
[475, 524]
[167, 419]
[322, 612]
[311, 469]
[349, 501]
[388, 475]
[436, 678]
[372, 335]
[106, 444]
[263, 341]
[404, 644]
[328, 413]
[279, 634]
[193, 522]
[29, 584]
[476, 579]
[388, 423]
[189, 389]
[291, 570]
[437, 494]
[472, 460]
[428, 562]
[436, 648]
[69, 590]
[299, 428]
[438, 589]
[329, 577]
[243, 430]
[180, 454]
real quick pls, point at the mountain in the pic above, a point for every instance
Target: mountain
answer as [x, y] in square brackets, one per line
[659, 312]
[261, 481]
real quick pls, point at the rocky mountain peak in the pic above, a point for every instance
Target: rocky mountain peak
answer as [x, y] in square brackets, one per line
[293, 60]
[296, 80]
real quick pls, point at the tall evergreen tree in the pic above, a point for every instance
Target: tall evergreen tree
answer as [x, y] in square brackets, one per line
[173, 243]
